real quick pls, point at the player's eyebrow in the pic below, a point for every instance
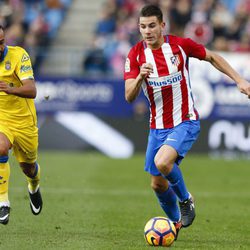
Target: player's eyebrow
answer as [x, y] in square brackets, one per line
[149, 24]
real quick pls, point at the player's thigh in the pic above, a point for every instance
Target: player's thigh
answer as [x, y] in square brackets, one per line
[154, 143]
[25, 145]
[182, 137]
[166, 155]
[4, 130]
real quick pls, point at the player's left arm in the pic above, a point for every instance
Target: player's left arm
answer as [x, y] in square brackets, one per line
[222, 65]
[27, 90]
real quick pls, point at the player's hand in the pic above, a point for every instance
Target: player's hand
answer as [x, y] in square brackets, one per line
[244, 87]
[5, 87]
[145, 70]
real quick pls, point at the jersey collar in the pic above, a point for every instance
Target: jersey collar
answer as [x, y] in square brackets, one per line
[166, 40]
[5, 51]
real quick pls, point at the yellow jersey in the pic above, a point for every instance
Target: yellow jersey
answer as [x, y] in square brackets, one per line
[16, 112]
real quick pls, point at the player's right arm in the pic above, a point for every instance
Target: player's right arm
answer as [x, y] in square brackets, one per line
[24, 72]
[135, 73]
[27, 90]
[133, 86]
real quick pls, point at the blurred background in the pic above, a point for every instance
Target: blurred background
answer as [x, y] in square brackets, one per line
[91, 200]
[78, 49]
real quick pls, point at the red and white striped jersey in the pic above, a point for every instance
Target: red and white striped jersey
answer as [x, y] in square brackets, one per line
[168, 88]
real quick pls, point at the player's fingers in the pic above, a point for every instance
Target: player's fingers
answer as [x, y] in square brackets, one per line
[149, 66]
[144, 68]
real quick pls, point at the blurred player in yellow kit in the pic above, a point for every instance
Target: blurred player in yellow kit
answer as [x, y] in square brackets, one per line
[18, 124]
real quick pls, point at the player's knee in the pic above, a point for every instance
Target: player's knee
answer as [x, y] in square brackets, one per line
[160, 164]
[28, 172]
[4, 158]
[158, 187]
[3, 150]
[163, 165]
[28, 169]
[4, 145]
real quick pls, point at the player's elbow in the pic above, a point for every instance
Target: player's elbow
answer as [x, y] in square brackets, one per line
[33, 94]
[129, 98]
[211, 56]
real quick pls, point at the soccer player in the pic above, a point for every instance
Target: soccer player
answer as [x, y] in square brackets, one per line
[18, 124]
[159, 65]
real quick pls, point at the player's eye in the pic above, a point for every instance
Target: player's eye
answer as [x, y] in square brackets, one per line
[152, 25]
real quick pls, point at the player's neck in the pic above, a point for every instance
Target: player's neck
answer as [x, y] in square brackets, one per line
[158, 44]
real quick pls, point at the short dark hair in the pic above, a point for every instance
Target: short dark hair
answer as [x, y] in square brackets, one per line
[1, 27]
[152, 10]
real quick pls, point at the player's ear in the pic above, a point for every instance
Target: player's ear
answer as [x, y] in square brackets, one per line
[163, 24]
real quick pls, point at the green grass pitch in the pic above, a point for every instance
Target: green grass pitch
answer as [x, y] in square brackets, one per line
[93, 202]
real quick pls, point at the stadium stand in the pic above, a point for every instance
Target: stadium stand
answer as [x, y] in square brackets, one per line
[66, 50]
[221, 25]
[32, 24]
[66, 37]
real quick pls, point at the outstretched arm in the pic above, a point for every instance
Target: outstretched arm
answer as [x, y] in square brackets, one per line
[133, 86]
[27, 90]
[222, 65]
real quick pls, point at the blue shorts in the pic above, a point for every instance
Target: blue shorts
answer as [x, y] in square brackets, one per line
[181, 138]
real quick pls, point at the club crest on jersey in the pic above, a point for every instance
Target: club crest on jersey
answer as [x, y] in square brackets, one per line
[175, 60]
[7, 65]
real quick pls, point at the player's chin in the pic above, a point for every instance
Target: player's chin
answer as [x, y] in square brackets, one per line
[150, 42]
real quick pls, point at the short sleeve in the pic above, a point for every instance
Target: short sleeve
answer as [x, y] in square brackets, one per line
[132, 68]
[193, 49]
[24, 68]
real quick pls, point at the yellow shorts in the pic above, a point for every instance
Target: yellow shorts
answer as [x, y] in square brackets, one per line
[24, 142]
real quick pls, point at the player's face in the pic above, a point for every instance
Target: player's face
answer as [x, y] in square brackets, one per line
[1, 42]
[151, 30]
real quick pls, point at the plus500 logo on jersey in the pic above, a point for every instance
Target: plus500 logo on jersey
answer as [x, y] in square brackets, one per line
[165, 80]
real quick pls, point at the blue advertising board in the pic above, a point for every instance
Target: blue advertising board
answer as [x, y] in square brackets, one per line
[106, 97]
[216, 96]
[103, 97]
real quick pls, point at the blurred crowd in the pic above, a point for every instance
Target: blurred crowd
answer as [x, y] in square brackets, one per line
[222, 25]
[32, 23]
